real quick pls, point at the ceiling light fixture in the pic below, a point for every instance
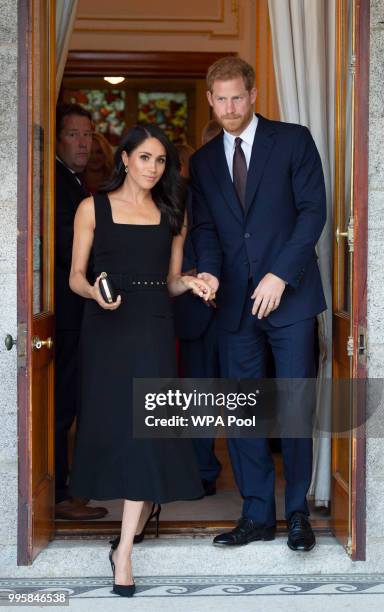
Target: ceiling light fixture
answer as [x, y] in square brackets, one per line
[114, 80]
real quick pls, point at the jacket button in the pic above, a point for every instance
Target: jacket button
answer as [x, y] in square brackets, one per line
[247, 235]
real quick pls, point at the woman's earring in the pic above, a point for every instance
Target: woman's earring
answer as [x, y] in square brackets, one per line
[126, 169]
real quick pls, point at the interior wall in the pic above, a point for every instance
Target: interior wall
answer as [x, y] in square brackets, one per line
[169, 25]
[266, 101]
[236, 26]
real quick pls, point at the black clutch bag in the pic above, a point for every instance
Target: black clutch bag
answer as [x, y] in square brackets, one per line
[107, 288]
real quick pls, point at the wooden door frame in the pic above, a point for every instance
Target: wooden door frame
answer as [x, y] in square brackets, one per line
[359, 314]
[32, 532]
[149, 64]
[170, 64]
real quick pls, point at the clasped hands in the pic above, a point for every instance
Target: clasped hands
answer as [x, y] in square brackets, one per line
[266, 296]
[198, 286]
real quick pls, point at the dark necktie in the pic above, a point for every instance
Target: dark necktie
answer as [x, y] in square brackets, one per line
[239, 170]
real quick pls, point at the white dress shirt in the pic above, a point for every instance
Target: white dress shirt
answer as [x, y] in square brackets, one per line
[247, 136]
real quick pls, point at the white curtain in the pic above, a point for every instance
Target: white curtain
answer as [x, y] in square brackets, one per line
[303, 39]
[65, 21]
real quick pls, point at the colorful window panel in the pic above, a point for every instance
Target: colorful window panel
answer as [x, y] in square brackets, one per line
[108, 110]
[167, 110]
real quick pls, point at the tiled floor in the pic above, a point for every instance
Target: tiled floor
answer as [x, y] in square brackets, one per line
[225, 505]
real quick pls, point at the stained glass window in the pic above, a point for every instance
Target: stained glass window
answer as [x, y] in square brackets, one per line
[107, 107]
[167, 110]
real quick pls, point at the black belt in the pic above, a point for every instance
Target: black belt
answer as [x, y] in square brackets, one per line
[128, 282]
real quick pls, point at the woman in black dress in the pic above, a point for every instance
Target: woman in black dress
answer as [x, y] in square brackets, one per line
[136, 229]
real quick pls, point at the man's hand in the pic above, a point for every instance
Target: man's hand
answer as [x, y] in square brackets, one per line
[198, 287]
[213, 282]
[267, 295]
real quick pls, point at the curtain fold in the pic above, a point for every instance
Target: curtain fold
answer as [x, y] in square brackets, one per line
[303, 41]
[65, 21]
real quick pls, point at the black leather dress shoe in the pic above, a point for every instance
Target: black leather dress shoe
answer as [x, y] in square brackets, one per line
[300, 536]
[246, 531]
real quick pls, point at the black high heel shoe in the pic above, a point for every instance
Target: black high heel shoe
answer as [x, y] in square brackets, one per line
[139, 537]
[125, 590]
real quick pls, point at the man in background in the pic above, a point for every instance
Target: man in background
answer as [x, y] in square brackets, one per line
[73, 147]
[210, 130]
[195, 327]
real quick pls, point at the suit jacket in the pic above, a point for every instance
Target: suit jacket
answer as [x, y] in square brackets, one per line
[285, 213]
[69, 193]
[192, 316]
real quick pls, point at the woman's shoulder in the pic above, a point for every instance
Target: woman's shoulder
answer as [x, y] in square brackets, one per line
[86, 209]
[87, 204]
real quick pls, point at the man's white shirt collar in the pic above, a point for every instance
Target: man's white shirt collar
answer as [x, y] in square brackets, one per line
[68, 168]
[65, 165]
[247, 136]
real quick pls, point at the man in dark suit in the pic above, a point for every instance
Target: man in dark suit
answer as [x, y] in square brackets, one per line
[259, 209]
[73, 147]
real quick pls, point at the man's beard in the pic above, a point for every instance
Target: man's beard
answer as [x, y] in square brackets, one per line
[237, 123]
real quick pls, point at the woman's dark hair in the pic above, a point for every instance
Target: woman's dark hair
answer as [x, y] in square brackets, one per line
[170, 191]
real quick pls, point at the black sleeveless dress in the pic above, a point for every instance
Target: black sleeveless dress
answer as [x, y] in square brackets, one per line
[135, 340]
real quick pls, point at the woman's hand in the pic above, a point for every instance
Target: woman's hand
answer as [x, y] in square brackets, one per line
[198, 287]
[96, 295]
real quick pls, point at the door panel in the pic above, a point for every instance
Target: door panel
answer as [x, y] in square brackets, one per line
[349, 272]
[35, 273]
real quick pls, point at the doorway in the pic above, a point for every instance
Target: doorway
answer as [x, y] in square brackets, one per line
[36, 525]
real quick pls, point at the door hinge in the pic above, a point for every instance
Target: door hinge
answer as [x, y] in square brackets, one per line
[351, 235]
[350, 346]
[352, 65]
[22, 345]
[362, 346]
[348, 546]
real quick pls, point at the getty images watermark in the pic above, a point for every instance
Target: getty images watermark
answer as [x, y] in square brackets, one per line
[281, 408]
[198, 403]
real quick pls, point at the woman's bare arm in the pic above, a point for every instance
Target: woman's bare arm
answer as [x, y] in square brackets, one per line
[84, 228]
[179, 283]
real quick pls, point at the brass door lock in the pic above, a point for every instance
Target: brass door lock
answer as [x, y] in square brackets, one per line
[37, 344]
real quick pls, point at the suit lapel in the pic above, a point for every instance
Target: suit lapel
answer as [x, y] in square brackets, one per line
[71, 179]
[219, 167]
[262, 146]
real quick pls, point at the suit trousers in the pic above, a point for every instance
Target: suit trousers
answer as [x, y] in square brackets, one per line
[66, 400]
[243, 355]
[200, 359]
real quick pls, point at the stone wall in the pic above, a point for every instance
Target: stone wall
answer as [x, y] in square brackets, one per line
[375, 285]
[8, 232]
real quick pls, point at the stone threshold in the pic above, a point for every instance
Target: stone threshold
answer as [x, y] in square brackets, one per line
[185, 556]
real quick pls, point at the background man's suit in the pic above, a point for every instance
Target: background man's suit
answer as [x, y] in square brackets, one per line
[69, 311]
[195, 326]
[277, 232]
